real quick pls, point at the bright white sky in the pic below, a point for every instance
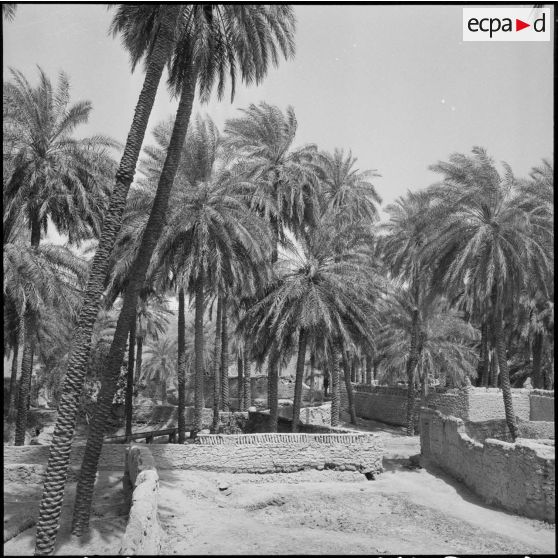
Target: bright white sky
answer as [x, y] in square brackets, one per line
[395, 84]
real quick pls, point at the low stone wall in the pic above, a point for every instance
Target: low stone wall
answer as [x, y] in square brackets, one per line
[389, 403]
[541, 405]
[28, 463]
[272, 453]
[141, 484]
[518, 477]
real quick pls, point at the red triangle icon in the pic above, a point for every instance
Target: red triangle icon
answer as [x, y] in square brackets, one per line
[519, 25]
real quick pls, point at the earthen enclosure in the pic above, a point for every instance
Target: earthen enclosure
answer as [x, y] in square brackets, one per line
[518, 476]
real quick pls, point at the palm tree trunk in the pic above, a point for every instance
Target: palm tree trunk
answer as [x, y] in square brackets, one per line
[411, 365]
[130, 381]
[349, 387]
[247, 381]
[13, 378]
[273, 392]
[493, 379]
[35, 232]
[152, 232]
[299, 377]
[198, 351]
[24, 388]
[335, 403]
[352, 371]
[216, 364]
[139, 356]
[369, 370]
[181, 368]
[483, 367]
[57, 468]
[504, 376]
[163, 391]
[240, 382]
[225, 402]
[538, 381]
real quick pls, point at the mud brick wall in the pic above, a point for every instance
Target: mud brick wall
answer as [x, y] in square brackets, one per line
[389, 404]
[518, 477]
[271, 453]
[542, 405]
[309, 415]
[141, 483]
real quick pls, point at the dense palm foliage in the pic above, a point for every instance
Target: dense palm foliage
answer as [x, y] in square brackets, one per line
[273, 252]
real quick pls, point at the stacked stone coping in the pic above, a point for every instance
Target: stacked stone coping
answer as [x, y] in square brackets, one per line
[519, 477]
[274, 453]
[141, 485]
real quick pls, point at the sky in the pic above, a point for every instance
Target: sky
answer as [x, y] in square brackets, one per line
[394, 84]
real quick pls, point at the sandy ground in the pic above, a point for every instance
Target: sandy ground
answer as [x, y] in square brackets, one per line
[108, 520]
[403, 511]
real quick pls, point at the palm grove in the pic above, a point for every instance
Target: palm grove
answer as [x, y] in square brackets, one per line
[276, 249]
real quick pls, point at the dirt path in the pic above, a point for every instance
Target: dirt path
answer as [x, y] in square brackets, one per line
[326, 512]
[108, 520]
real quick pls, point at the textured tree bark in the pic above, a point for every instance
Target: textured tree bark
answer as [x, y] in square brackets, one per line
[181, 368]
[154, 226]
[369, 370]
[349, 388]
[273, 393]
[24, 387]
[504, 376]
[483, 367]
[247, 381]
[240, 383]
[198, 350]
[299, 377]
[225, 359]
[411, 365]
[57, 467]
[13, 382]
[217, 364]
[538, 380]
[335, 403]
[130, 380]
[139, 357]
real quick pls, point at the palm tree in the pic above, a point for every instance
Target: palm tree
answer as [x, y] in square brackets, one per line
[318, 293]
[9, 11]
[164, 21]
[446, 341]
[489, 243]
[401, 249]
[39, 283]
[53, 174]
[160, 363]
[205, 51]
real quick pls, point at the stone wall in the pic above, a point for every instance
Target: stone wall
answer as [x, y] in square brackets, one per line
[542, 405]
[518, 477]
[319, 415]
[389, 403]
[141, 484]
[270, 453]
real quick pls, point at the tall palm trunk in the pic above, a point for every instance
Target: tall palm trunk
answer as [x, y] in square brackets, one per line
[273, 392]
[493, 369]
[299, 377]
[369, 370]
[247, 381]
[349, 387]
[19, 342]
[24, 387]
[413, 357]
[150, 237]
[538, 380]
[225, 402]
[139, 356]
[198, 352]
[130, 380]
[504, 375]
[335, 403]
[483, 366]
[57, 468]
[240, 382]
[217, 365]
[181, 368]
